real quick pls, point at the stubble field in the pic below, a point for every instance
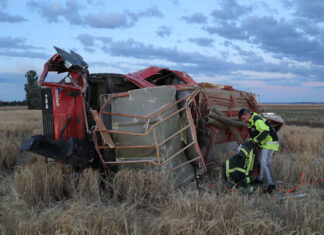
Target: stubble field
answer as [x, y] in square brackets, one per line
[36, 198]
[311, 115]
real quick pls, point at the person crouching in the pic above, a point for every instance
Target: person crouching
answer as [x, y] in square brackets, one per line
[241, 169]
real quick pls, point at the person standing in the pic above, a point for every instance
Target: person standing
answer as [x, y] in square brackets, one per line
[262, 133]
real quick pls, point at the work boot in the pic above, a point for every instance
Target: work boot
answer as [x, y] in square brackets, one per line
[271, 188]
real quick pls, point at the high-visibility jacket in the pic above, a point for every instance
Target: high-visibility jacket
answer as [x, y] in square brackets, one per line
[240, 169]
[262, 132]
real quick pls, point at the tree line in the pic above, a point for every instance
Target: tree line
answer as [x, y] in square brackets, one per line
[12, 103]
[33, 93]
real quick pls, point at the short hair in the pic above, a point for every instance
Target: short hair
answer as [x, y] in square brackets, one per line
[243, 112]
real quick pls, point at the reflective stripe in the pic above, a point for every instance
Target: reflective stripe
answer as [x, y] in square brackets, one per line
[228, 172]
[250, 163]
[246, 163]
[227, 169]
[272, 143]
[247, 179]
[237, 169]
[244, 151]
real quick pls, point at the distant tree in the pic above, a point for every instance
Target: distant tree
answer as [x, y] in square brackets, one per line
[12, 103]
[33, 97]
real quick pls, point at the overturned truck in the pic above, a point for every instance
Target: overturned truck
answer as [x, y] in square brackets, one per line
[156, 119]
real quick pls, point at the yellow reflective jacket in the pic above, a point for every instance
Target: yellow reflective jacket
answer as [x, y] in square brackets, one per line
[240, 168]
[262, 132]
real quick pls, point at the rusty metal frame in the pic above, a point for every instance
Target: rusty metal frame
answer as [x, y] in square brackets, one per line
[152, 128]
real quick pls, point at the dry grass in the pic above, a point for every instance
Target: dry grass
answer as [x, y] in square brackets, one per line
[303, 139]
[213, 214]
[38, 184]
[144, 189]
[36, 198]
[311, 115]
[15, 127]
[18, 107]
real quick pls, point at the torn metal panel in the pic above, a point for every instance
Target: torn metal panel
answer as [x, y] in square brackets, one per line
[144, 102]
[152, 123]
[71, 58]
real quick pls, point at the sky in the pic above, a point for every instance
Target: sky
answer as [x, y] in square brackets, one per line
[272, 48]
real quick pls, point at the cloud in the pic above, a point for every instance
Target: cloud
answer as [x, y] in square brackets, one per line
[252, 67]
[15, 43]
[25, 54]
[50, 12]
[16, 47]
[132, 48]
[95, 2]
[201, 41]
[99, 64]
[4, 3]
[5, 17]
[149, 12]
[265, 75]
[228, 30]
[69, 11]
[119, 20]
[108, 21]
[230, 10]
[246, 55]
[53, 11]
[282, 38]
[138, 50]
[163, 31]
[197, 18]
[287, 3]
[313, 84]
[104, 39]
[217, 79]
[279, 37]
[309, 9]
[86, 39]
[11, 42]
[91, 42]
[306, 26]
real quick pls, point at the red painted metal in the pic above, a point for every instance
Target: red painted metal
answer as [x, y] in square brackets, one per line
[55, 63]
[66, 106]
[140, 78]
[67, 101]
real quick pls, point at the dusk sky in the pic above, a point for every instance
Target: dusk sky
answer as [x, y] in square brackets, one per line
[273, 48]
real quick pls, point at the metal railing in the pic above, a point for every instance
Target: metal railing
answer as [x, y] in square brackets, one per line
[150, 128]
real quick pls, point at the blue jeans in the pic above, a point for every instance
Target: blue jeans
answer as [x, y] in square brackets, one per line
[264, 157]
